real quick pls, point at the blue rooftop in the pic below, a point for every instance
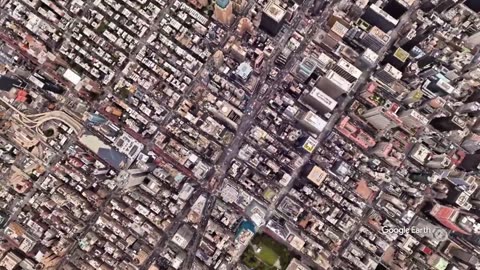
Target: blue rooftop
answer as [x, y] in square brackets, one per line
[223, 3]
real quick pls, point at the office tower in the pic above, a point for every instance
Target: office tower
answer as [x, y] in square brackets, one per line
[375, 16]
[199, 4]
[238, 52]
[319, 101]
[458, 179]
[470, 163]
[245, 26]
[382, 117]
[334, 85]
[437, 86]
[375, 39]
[388, 74]
[439, 162]
[131, 178]
[369, 57]
[305, 69]
[223, 12]
[447, 216]
[218, 58]
[470, 108]
[282, 59]
[317, 175]
[464, 256]
[413, 119]
[412, 97]
[346, 70]
[324, 61]
[448, 123]
[471, 143]
[243, 71]
[272, 18]
[473, 40]
[312, 122]
[239, 5]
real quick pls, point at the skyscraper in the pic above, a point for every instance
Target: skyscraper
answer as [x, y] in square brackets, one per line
[319, 101]
[223, 12]
[375, 39]
[413, 119]
[334, 85]
[439, 162]
[312, 122]
[272, 18]
[447, 216]
[382, 117]
[374, 15]
[388, 74]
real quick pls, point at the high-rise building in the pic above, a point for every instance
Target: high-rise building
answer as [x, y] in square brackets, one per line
[305, 69]
[464, 256]
[223, 12]
[447, 216]
[272, 18]
[218, 58]
[388, 74]
[239, 5]
[471, 143]
[473, 40]
[413, 119]
[245, 26]
[319, 101]
[458, 179]
[283, 57]
[374, 15]
[437, 86]
[470, 108]
[448, 123]
[439, 162]
[334, 85]
[346, 70]
[375, 39]
[369, 57]
[382, 118]
[312, 122]
[317, 175]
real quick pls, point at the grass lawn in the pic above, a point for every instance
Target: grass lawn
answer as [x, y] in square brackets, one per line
[270, 255]
[267, 255]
